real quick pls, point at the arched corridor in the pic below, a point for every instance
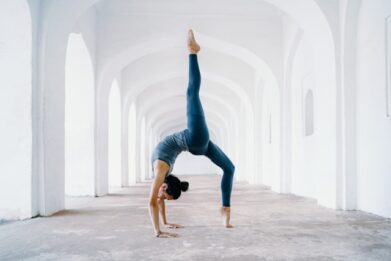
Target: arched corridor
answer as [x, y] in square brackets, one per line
[296, 93]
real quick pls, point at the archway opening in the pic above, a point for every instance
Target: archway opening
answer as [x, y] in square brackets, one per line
[142, 149]
[115, 175]
[79, 119]
[132, 144]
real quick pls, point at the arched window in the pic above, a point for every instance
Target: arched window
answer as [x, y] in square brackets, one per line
[142, 148]
[309, 113]
[132, 144]
[270, 129]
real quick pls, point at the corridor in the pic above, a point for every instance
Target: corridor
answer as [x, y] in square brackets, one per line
[268, 226]
[295, 93]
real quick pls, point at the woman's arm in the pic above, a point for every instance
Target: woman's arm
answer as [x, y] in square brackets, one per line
[153, 206]
[153, 212]
[162, 210]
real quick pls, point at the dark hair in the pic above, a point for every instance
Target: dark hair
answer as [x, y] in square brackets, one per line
[175, 186]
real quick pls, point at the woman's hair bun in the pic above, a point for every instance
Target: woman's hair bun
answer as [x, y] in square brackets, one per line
[175, 186]
[184, 186]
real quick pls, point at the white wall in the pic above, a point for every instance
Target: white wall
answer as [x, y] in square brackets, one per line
[373, 127]
[35, 9]
[271, 154]
[313, 166]
[15, 110]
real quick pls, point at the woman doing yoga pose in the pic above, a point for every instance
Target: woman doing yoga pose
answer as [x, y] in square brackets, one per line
[194, 139]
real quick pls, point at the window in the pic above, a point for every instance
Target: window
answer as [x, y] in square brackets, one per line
[270, 129]
[309, 113]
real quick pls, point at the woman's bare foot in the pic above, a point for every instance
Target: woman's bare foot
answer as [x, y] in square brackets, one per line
[192, 45]
[226, 213]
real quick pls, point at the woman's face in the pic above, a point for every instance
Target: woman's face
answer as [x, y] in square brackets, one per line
[163, 193]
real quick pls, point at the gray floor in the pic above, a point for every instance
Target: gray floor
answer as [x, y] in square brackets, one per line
[268, 226]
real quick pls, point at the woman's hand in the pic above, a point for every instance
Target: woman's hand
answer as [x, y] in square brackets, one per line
[162, 234]
[172, 226]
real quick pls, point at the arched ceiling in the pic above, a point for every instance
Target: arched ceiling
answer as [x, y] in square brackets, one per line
[150, 85]
[212, 116]
[144, 59]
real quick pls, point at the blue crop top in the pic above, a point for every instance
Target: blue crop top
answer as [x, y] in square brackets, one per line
[169, 148]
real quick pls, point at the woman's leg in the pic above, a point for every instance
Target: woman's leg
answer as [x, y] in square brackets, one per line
[197, 129]
[218, 157]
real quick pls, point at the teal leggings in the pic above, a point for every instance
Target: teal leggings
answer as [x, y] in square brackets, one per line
[197, 134]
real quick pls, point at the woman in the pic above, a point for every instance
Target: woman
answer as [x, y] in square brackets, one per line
[194, 139]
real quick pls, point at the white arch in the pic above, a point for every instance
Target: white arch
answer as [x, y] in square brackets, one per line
[79, 119]
[170, 119]
[173, 125]
[158, 44]
[209, 77]
[245, 164]
[132, 150]
[168, 114]
[142, 147]
[114, 139]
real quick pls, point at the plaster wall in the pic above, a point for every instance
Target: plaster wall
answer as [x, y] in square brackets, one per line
[15, 110]
[373, 126]
[292, 37]
[312, 157]
[271, 161]
[35, 10]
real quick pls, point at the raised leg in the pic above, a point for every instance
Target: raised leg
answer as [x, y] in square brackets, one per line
[197, 134]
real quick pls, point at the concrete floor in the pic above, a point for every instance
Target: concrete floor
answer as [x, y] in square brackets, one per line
[269, 226]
